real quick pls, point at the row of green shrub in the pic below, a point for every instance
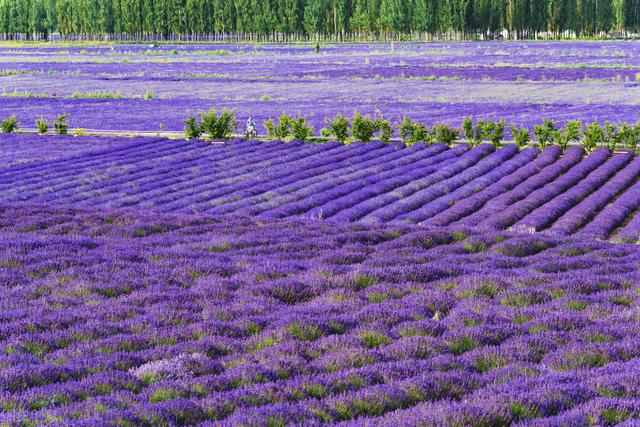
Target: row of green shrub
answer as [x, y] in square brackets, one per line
[60, 125]
[366, 128]
[361, 127]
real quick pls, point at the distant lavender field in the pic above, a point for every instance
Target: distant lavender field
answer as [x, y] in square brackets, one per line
[435, 82]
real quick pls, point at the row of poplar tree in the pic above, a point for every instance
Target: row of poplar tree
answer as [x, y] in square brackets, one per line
[318, 18]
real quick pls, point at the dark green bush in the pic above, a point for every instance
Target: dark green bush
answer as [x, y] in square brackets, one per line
[467, 128]
[61, 126]
[444, 134]
[413, 132]
[192, 129]
[494, 131]
[339, 127]
[593, 135]
[42, 125]
[385, 129]
[280, 130]
[611, 135]
[219, 126]
[9, 124]
[544, 133]
[571, 132]
[521, 136]
[363, 127]
[628, 136]
[300, 130]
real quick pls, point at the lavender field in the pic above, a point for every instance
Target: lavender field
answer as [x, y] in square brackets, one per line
[144, 319]
[528, 190]
[149, 281]
[103, 86]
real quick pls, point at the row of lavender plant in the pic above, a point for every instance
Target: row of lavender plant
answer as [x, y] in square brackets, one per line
[125, 317]
[376, 182]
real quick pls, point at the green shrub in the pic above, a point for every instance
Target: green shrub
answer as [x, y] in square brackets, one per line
[479, 133]
[593, 135]
[280, 130]
[219, 126]
[544, 133]
[61, 126]
[9, 125]
[611, 135]
[374, 339]
[494, 131]
[42, 125]
[363, 127]
[628, 136]
[521, 136]
[445, 134]
[148, 94]
[475, 134]
[462, 345]
[339, 127]
[385, 129]
[571, 132]
[301, 131]
[304, 331]
[412, 132]
[78, 132]
[192, 129]
[467, 128]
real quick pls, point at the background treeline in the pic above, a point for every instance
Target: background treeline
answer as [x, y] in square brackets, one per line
[315, 19]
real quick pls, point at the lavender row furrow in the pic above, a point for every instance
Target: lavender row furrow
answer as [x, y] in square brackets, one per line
[465, 182]
[351, 170]
[613, 215]
[323, 192]
[62, 177]
[380, 184]
[582, 213]
[415, 198]
[148, 173]
[430, 185]
[541, 217]
[361, 209]
[631, 231]
[89, 161]
[281, 175]
[74, 159]
[545, 176]
[477, 201]
[224, 177]
[361, 152]
[233, 165]
[558, 186]
[478, 185]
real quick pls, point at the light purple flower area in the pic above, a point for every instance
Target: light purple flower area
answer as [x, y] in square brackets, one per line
[126, 316]
[433, 185]
[182, 367]
[430, 82]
